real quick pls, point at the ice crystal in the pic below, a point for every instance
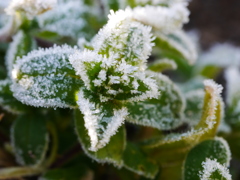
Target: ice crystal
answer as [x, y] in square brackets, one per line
[211, 166]
[30, 7]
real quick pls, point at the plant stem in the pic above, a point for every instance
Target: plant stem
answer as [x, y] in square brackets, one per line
[15, 172]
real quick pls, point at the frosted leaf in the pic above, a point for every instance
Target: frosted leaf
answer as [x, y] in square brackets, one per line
[192, 84]
[212, 112]
[102, 120]
[30, 7]
[164, 112]
[68, 19]
[111, 153]
[210, 167]
[177, 43]
[221, 55]
[194, 104]
[29, 139]
[22, 44]
[45, 78]
[162, 64]
[165, 19]
[206, 160]
[232, 75]
[7, 101]
[112, 78]
[124, 39]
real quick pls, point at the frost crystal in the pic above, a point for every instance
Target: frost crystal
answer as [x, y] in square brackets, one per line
[211, 166]
[30, 7]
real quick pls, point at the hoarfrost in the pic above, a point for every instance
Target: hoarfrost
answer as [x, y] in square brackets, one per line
[172, 18]
[206, 124]
[66, 19]
[95, 117]
[211, 166]
[46, 72]
[30, 7]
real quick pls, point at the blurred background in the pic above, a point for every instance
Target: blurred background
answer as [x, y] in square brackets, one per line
[217, 21]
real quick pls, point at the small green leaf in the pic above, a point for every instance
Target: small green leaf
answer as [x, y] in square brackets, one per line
[112, 152]
[205, 129]
[21, 45]
[29, 138]
[194, 104]
[70, 19]
[7, 101]
[70, 173]
[162, 65]
[204, 160]
[176, 45]
[45, 78]
[136, 161]
[164, 112]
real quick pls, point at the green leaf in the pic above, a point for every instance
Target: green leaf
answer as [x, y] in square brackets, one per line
[111, 153]
[164, 112]
[176, 46]
[194, 104]
[70, 19]
[7, 101]
[162, 65]
[22, 44]
[70, 173]
[136, 161]
[232, 75]
[206, 158]
[45, 78]
[206, 128]
[192, 84]
[29, 138]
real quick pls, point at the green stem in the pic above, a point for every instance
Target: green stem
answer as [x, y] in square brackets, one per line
[15, 172]
[53, 153]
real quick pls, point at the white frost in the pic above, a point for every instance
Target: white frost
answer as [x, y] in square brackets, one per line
[211, 166]
[93, 115]
[30, 7]
[40, 89]
[166, 19]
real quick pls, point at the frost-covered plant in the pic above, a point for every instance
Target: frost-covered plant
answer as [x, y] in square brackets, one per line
[68, 60]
